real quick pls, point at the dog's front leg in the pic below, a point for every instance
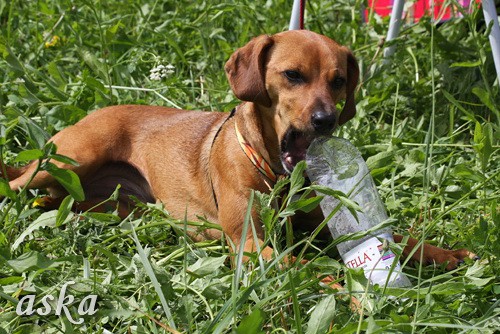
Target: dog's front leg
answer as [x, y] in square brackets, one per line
[232, 220]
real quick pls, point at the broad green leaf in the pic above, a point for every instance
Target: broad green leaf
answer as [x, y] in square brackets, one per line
[252, 323]
[327, 263]
[64, 210]
[306, 204]
[50, 148]
[381, 160]
[11, 280]
[356, 280]
[487, 144]
[6, 191]
[454, 188]
[116, 193]
[322, 316]
[103, 217]
[206, 265]
[68, 179]
[46, 219]
[56, 74]
[29, 155]
[480, 282]
[30, 261]
[448, 288]
[412, 169]
[483, 138]
[478, 136]
[297, 178]
[64, 159]
[475, 271]
[267, 216]
[357, 284]
[36, 135]
[11, 59]
[463, 171]
[30, 94]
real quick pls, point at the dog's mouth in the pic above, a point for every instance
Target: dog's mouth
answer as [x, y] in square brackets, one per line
[294, 146]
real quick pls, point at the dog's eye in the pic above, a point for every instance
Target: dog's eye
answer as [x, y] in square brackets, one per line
[293, 76]
[338, 83]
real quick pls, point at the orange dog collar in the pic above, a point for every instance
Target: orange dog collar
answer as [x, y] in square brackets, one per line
[257, 160]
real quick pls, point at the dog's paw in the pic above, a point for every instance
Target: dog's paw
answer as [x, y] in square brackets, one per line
[453, 258]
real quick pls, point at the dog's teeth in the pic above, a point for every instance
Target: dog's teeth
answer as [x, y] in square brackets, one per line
[289, 160]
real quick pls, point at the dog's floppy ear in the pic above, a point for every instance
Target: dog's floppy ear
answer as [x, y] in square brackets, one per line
[246, 71]
[352, 81]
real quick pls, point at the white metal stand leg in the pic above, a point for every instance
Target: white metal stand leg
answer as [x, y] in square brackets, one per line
[295, 18]
[394, 26]
[490, 14]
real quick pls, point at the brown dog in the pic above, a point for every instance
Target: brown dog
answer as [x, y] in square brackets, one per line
[207, 163]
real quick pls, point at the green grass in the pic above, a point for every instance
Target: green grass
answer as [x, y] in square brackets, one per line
[428, 124]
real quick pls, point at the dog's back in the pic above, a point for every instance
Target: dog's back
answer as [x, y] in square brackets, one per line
[152, 152]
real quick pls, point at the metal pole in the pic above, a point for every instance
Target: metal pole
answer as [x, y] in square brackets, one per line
[295, 22]
[490, 14]
[394, 25]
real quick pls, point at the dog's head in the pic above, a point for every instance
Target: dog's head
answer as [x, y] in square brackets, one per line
[296, 78]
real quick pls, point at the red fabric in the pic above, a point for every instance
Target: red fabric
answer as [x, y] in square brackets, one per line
[418, 10]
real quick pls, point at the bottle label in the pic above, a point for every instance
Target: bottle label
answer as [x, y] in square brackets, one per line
[375, 259]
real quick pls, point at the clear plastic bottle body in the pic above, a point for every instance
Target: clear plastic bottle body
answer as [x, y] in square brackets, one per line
[337, 164]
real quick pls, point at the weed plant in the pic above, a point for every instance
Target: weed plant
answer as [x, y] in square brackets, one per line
[428, 124]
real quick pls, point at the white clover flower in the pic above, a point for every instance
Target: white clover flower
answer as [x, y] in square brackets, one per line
[170, 68]
[161, 71]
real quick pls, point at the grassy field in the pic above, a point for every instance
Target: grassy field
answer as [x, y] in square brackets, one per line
[428, 123]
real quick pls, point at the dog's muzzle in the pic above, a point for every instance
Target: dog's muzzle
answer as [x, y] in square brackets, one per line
[295, 143]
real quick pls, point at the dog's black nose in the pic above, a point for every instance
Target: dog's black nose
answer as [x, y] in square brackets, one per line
[323, 122]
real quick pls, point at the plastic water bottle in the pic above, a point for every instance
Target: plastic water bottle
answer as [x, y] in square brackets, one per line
[335, 163]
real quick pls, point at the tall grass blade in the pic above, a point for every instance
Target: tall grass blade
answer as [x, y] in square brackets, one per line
[149, 270]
